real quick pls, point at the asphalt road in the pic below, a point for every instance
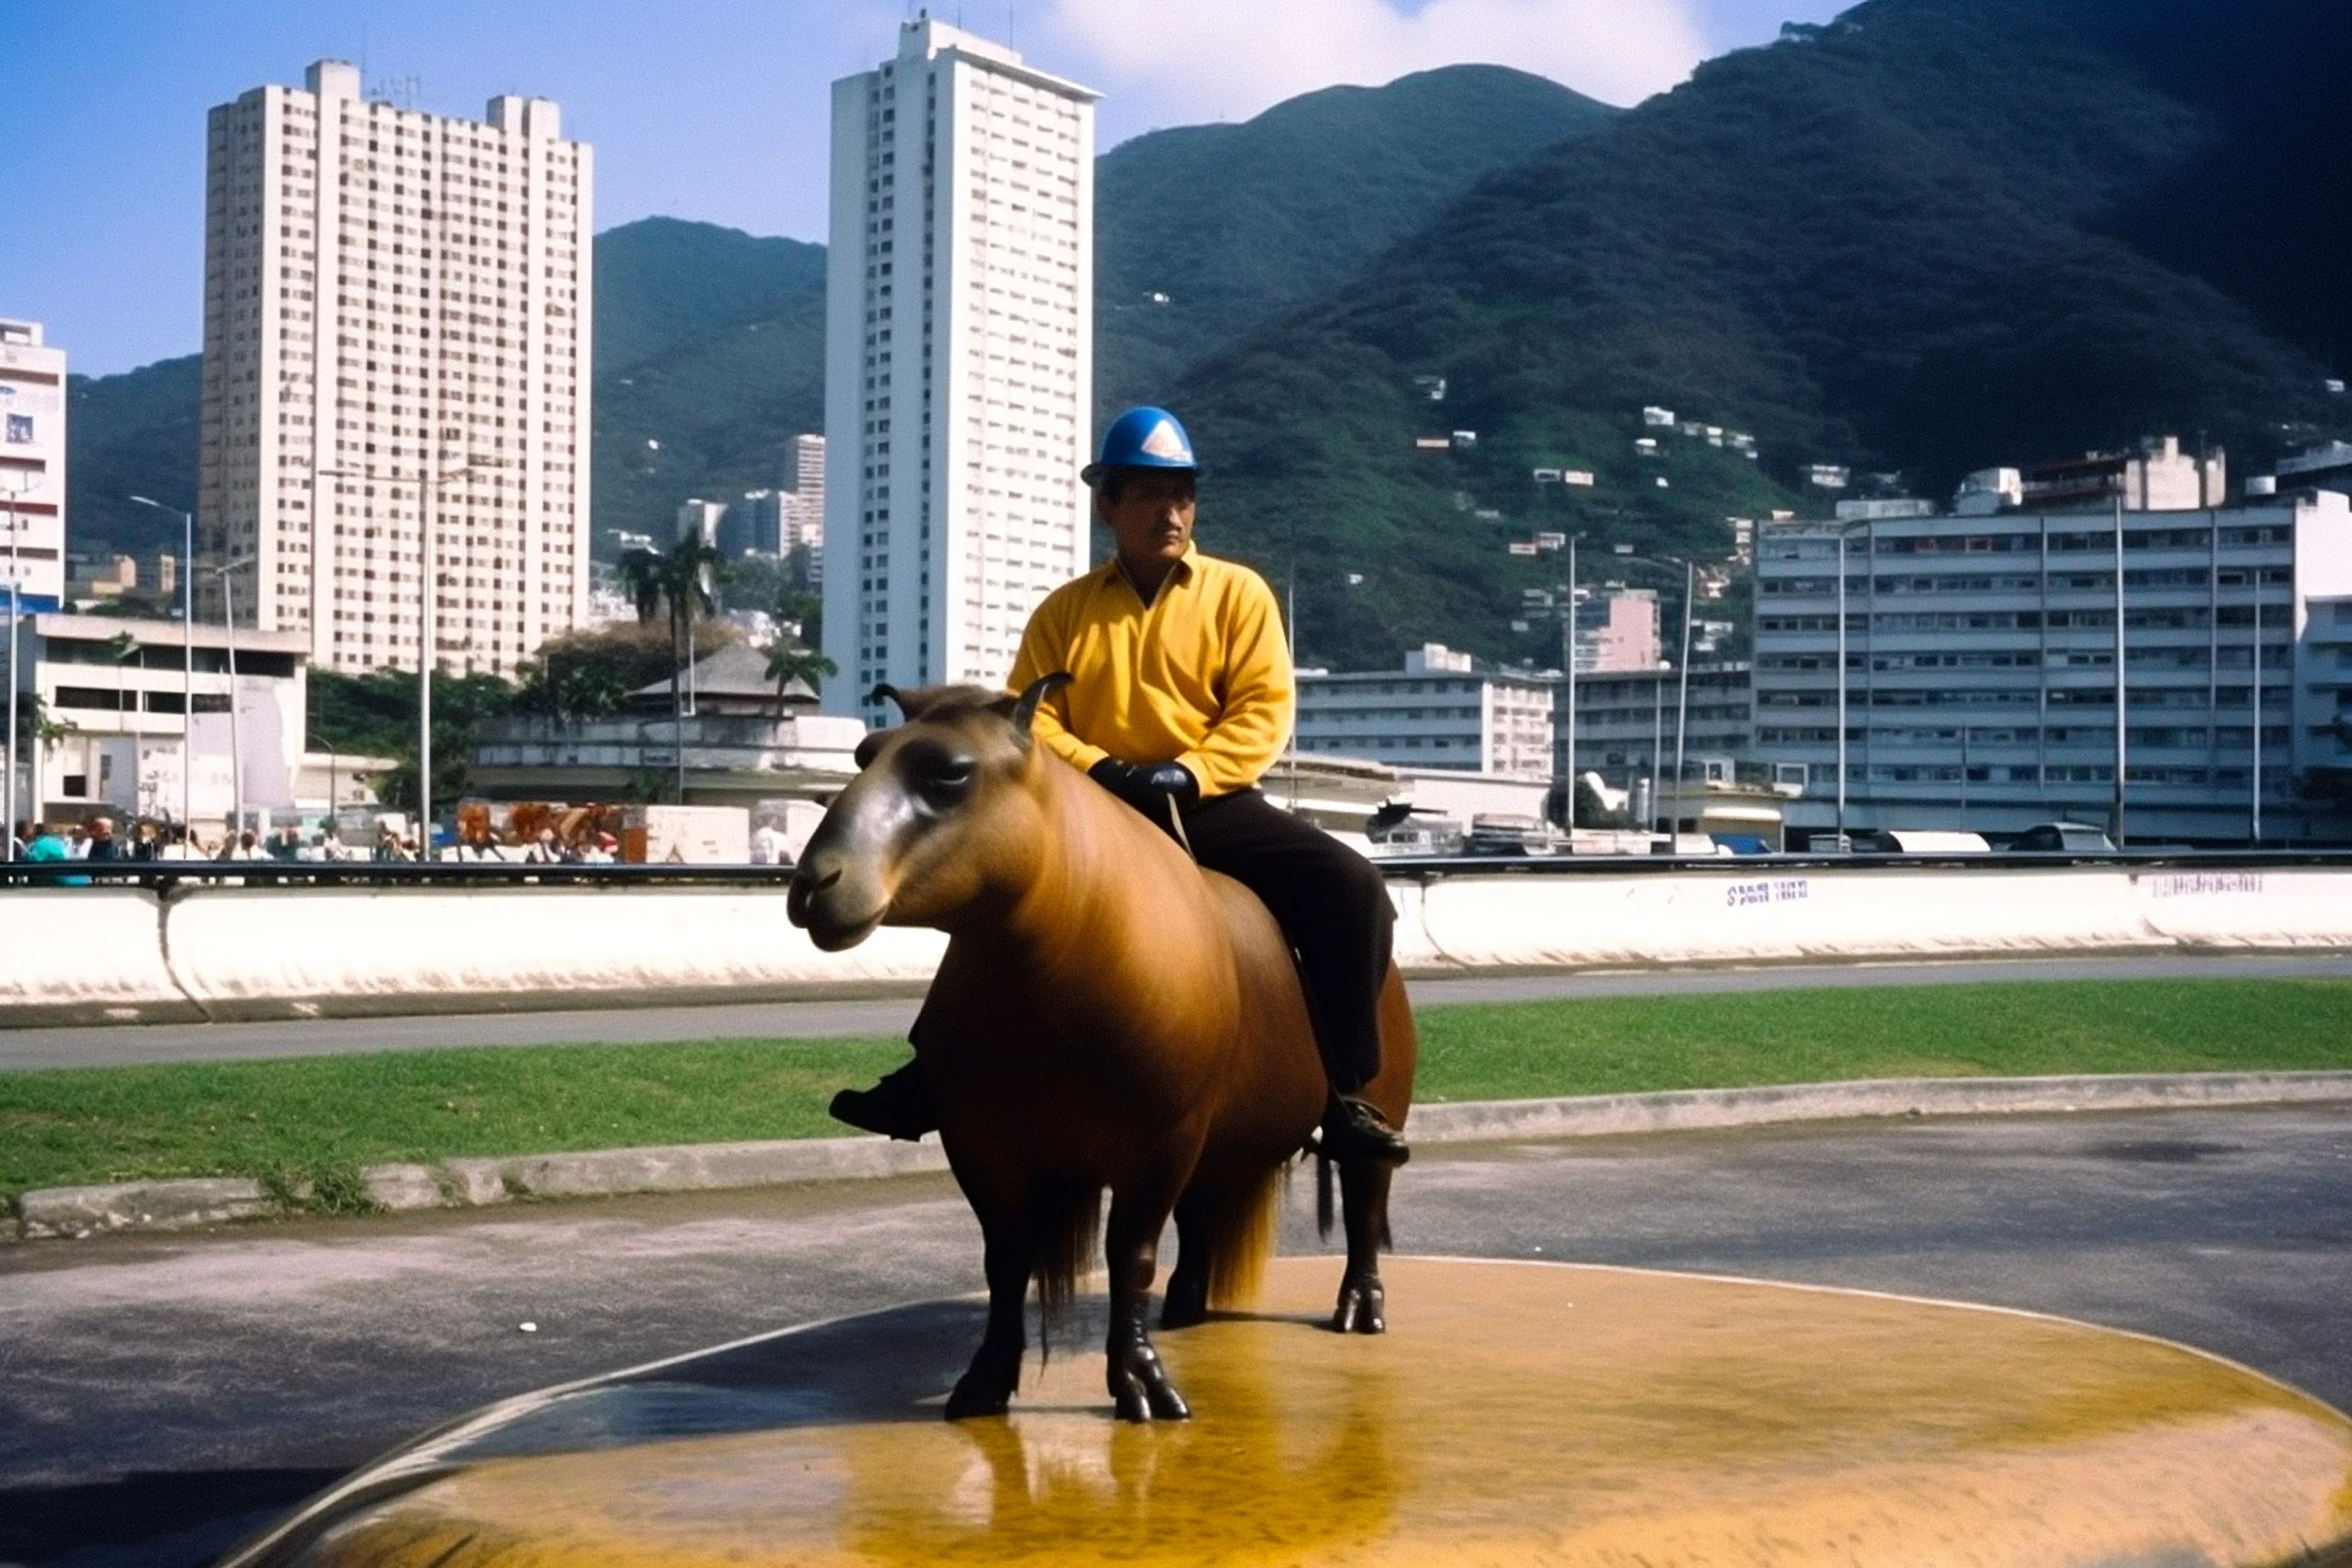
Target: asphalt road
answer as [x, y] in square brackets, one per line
[126, 1044]
[158, 1395]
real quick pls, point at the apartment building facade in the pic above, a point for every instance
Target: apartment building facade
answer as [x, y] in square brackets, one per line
[1438, 711]
[397, 307]
[959, 360]
[1628, 722]
[1980, 669]
[32, 466]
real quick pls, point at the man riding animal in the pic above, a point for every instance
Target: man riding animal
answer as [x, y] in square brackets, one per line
[1182, 698]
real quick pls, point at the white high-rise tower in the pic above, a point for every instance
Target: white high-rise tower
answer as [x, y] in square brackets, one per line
[959, 360]
[396, 311]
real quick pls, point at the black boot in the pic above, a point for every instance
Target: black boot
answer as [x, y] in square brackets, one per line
[897, 1107]
[1354, 1129]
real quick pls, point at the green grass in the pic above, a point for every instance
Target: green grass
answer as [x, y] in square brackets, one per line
[316, 1120]
[1529, 1049]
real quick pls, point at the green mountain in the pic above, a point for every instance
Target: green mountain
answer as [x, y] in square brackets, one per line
[1205, 231]
[710, 359]
[1932, 235]
[133, 433]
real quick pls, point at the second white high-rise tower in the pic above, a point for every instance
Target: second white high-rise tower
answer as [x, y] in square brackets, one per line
[959, 360]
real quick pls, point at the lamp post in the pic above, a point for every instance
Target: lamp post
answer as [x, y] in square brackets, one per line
[429, 480]
[236, 747]
[2254, 821]
[2117, 811]
[16, 608]
[1843, 535]
[1567, 665]
[187, 652]
[1681, 697]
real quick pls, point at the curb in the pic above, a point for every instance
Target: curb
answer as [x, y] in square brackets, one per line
[472, 1182]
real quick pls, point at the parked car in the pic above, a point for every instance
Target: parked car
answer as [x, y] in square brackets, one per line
[1917, 841]
[2065, 838]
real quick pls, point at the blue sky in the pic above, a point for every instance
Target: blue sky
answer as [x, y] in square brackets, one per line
[712, 110]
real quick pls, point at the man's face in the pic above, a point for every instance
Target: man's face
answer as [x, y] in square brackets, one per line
[1152, 517]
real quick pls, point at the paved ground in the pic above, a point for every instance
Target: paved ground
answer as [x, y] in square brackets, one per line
[157, 1396]
[124, 1044]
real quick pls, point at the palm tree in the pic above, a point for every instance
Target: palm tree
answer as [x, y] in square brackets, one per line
[677, 581]
[789, 661]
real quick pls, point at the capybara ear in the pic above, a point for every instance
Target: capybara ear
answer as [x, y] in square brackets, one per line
[1025, 707]
[890, 692]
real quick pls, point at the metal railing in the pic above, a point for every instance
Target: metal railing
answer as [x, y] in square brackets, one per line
[167, 875]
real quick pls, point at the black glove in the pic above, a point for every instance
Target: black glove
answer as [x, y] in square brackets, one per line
[1149, 787]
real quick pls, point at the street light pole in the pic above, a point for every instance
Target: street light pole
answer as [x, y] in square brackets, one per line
[2254, 578]
[1681, 697]
[430, 480]
[187, 654]
[1841, 687]
[1567, 661]
[235, 746]
[2117, 810]
[15, 614]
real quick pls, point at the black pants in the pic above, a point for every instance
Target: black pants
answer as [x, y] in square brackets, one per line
[1329, 902]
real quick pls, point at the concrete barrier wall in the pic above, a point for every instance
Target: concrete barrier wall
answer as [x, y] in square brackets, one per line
[252, 952]
[84, 954]
[1732, 917]
[101, 954]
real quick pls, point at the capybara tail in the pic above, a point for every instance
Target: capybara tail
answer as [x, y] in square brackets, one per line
[1240, 1229]
[1069, 1227]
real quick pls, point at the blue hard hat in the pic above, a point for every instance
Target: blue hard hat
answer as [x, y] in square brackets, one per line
[1144, 438]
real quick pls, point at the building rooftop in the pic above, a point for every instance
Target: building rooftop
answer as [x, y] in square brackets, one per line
[737, 673]
[147, 633]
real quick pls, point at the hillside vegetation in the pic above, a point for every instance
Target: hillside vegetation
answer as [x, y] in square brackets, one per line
[1204, 231]
[1904, 241]
[709, 358]
[133, 433]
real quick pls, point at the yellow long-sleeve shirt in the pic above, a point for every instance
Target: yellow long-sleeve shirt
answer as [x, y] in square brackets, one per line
[1201, 675]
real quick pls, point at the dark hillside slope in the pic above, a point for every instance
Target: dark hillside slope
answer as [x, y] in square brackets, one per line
[710, 342]
[127, 435]
[1899, 241]
[1234, 223]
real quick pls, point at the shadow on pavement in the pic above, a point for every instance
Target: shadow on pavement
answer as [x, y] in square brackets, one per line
[164, 1518]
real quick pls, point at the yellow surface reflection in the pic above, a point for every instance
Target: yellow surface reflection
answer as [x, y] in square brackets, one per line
[1514, 1414]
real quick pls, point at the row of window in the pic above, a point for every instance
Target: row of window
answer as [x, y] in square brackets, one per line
[2185, 577]
[1818, 545]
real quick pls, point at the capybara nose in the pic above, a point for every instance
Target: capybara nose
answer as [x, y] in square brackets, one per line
[808, 881]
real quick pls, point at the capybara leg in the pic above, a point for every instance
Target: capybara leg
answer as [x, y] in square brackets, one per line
[986, 1387]
[1187, 1282]
[1364, 1199]
[1139, 1389]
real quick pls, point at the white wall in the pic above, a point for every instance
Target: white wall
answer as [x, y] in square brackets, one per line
[95, 954]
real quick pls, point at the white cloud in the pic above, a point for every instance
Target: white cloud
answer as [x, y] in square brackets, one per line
[1174, 62]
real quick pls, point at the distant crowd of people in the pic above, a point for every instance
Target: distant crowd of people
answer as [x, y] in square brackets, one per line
[97, 840]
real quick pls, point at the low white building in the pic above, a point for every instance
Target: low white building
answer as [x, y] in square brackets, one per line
[117, 730]
[744, 744]
[32, 466]
[1438, 711]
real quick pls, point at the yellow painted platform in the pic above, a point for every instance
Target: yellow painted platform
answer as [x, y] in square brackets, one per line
[1515, 1414]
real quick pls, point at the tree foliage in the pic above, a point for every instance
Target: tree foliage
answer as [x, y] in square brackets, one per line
[376, 715]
